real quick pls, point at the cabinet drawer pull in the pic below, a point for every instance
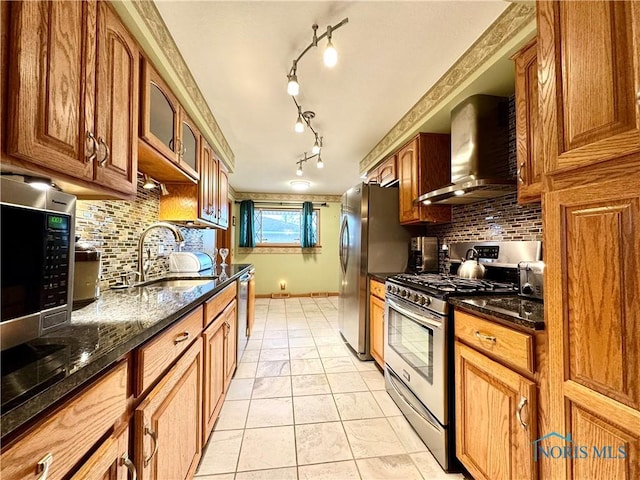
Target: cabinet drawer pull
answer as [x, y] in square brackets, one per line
[484, 336]
[523, 402]
[107, 152]
[124, 460]
[519, 174]
[43, 466]
[154, 437]
[94, 151]
[182, 338]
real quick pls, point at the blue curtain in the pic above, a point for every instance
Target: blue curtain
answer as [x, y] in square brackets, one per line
[247, 236]
[307, 239]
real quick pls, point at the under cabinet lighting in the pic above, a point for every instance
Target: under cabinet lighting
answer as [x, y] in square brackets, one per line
[149, 184]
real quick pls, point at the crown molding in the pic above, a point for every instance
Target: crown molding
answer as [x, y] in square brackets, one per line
[516, 20]
[144, 21]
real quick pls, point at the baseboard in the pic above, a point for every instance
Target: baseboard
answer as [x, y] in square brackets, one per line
[295, 295]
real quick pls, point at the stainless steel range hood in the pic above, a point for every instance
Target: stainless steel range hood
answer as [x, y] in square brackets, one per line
[480, 148]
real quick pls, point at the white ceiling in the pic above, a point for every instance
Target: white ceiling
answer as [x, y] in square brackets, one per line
[390, 54]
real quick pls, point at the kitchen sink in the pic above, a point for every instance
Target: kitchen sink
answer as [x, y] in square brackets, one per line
[176, 282]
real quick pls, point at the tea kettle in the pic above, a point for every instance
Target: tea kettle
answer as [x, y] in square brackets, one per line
[471, 268]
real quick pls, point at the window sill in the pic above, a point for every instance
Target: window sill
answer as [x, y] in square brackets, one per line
[279, 249]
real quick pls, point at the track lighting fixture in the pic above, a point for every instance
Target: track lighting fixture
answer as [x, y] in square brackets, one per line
[317, 145]
[293, 88]
[319, 163]
[330, 53]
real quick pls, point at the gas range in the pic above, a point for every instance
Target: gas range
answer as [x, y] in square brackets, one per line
[431, 290]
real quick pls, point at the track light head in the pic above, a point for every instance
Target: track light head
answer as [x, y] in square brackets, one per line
[293, 87]
[299, 170]
[319, 163]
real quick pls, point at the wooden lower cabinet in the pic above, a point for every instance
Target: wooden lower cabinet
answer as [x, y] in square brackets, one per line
[494, 425]
[68, 433]
[168, 422]
[110, 461]
[231, 342]
[214, 373]
[376, 324]
[592, 299]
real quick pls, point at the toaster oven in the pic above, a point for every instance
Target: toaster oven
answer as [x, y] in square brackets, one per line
[531, 279]
[36, 261]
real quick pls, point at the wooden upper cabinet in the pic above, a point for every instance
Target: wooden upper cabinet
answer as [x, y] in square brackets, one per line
[188, 145]
[495, 426]
[589, 73]
[592, 300]
[529, 135]
[116, 103]
[424, 164]
[76, 118]
[52, 73]
[159, 113]
[223, 197]
[387, 172]
[169, 140]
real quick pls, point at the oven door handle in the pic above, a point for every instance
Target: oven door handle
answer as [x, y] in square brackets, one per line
[430, 322]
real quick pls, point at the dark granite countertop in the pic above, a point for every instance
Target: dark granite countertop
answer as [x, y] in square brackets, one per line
[512, 309]
[37, 374]
[382, 277]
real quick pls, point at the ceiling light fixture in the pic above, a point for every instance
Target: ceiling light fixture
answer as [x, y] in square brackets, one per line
[293, 88]
[300, 185]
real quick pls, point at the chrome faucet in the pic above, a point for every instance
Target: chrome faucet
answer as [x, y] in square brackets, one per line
[143, 267]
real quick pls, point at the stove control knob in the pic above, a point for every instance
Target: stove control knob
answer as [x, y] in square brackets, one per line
[527, 289]
[404, 292]
[423, 300]
[389, 288]
[427, 301]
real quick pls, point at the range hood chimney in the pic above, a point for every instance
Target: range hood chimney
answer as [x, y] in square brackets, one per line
[480, 147]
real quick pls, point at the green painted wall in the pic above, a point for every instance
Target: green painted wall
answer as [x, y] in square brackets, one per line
[303, 272]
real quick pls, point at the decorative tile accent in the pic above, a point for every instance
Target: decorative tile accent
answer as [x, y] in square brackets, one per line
[286, 197]
[114, 226]
[514, 18]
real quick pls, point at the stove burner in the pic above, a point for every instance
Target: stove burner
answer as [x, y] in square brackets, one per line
[451, 283]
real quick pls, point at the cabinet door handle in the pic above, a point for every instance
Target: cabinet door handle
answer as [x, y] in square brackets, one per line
[43, 466]
[523, 402]
[94, 152]
[124, 460]
[107, 152]
[520, 168]
[171, 143]
[228, 328]
[154, 437]
[484, 336]
[181, 338]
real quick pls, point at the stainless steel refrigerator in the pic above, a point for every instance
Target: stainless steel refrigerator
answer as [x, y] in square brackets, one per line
[371, 241]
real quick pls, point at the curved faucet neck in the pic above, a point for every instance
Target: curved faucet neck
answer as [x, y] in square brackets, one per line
[177, 234]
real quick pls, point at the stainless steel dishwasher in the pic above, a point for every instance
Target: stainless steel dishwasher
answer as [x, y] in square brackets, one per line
[243, 299]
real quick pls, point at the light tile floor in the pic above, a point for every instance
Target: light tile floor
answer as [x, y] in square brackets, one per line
[301, 406]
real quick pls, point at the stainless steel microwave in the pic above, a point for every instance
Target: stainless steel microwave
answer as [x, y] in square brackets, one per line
[37, 229]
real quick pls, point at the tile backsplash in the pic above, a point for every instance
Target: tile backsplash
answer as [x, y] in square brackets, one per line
[114, 226]
[494, 219]
[498, 218]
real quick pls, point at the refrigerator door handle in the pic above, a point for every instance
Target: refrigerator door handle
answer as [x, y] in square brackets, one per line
[344, 251]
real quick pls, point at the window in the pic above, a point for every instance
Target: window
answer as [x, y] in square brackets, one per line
[282, 226]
